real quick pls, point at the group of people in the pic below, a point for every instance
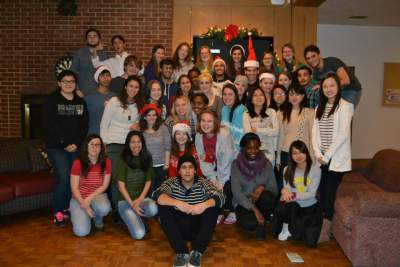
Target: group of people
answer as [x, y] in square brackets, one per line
[198, 144]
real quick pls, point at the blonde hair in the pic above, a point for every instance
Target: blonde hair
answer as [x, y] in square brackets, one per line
[206, 75]
[198, 59]
[188, 115]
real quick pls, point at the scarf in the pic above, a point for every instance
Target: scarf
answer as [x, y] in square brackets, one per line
[250, 169]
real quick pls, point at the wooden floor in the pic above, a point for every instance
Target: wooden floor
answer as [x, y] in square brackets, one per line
[32, 240]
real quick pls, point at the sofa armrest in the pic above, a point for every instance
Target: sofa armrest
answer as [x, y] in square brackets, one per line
[377, 204]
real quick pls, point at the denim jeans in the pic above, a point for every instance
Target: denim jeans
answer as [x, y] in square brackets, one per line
[81, 222]
[351, 96]
[61, 161]
[133, 220]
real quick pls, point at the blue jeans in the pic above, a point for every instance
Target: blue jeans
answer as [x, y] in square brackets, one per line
[351, 96]
[61, 161]
[80, 220]
[132, 220]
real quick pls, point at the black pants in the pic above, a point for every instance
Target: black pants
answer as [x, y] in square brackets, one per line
[304, 223]
[179, 227]
[330, 181]
[284, 163]
[228, 197]
[246, 218]
[159, 178]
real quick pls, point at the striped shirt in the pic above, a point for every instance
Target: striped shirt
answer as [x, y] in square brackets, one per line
[94, 179]
[201, 191]
[326, 128]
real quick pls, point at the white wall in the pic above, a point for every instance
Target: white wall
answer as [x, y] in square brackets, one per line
[375, 126]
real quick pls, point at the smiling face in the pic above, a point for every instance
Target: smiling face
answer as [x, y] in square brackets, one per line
[252, 149]
[258, 98]
[67, 84]
[205, 85]
[298, 156]
[132, 89]
[181, 137]
[267, 60]
[166, 71]
[241, 87]
[279, 96]
[304, 77]
[135, 145]
[330, 89]
[219, 68]
[207, 123]
[185, 85]
[131, 69]
[187, 172]
[251, 73]
[284, 80]
[151, 117]
[287, 54]
[159, 55]
[181, 107]
[205, 55]
[183, 52]
[94, 148]
[237, 55]
[313, 59]
[155, 92]
[267, 85]
[198, 105]
[295, 98]
[105, 79]
[228, 97]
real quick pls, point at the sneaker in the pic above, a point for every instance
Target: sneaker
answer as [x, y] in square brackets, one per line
[66, 214]
[285, 234]
[260, 233]
[194, 259]
[220, 219]
[231, 218]
[181, 260]
[59, 219]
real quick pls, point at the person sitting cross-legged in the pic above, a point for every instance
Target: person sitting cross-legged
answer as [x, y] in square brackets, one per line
[188, 209]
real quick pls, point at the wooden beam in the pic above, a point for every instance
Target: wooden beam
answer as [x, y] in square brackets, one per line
[308, 3]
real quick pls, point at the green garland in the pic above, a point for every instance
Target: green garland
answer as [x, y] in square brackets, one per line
[230, 33]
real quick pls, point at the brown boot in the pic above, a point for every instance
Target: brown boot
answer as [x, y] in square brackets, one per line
[325, 231]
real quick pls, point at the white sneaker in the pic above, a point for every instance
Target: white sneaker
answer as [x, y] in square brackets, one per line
[285, 234]
[220, 219]
[231, 218]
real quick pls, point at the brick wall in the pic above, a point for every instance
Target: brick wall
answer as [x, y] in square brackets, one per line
[34, 35]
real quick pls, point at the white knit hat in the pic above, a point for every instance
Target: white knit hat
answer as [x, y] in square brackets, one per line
[267, 75]
[99, 70]
[183, 127]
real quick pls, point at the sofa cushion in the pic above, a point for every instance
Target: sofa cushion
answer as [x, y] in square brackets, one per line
[13, 155]
[383, 170]
[6, 193]
[28, 183]
[344, 211]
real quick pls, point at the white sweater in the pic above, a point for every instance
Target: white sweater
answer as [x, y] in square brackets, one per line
[116, 121]
[339, 152]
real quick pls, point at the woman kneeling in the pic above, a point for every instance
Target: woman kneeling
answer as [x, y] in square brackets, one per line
[134, 173]
[298, 214]
[90, 177]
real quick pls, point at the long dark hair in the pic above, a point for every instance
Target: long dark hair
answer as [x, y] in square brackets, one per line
[291, 168]
[323, 99]
[250, 105]
[175, 146]
[237, 99]
[231, 65]
[144, 155]
[143, 122]
[273, 103]
[84, 157]
[175, 58]
[297, 89]
[179, 91]
[159, 103]
[123, 95]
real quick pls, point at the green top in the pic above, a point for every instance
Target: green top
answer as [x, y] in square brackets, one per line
[134, 179]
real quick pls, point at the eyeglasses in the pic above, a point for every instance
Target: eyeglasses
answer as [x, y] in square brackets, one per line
[67, 82]
[95, 145]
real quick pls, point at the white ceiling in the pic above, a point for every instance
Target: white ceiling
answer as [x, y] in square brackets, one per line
[379, 12]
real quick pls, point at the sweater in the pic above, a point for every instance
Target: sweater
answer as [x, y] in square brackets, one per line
[158, 143]
[66, 121]
[305, 194]
[242, 188]
[116, 121]
[236, 125]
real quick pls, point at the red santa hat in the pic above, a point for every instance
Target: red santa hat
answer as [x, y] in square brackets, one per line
[218, 59]
[251, 59]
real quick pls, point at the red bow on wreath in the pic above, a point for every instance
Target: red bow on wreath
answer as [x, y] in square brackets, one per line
[231, 32]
